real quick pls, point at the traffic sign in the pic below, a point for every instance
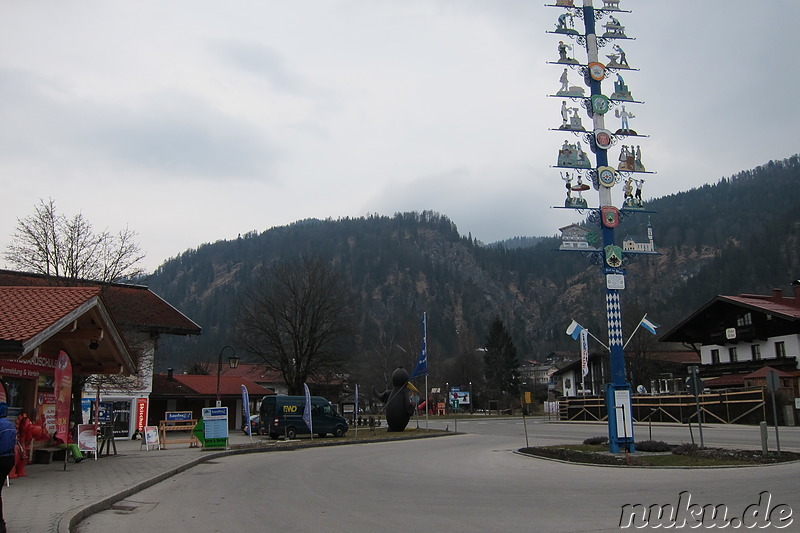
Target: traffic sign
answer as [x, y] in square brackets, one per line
[773, 381]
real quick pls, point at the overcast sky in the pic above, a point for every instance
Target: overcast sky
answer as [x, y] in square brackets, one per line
[191, 121]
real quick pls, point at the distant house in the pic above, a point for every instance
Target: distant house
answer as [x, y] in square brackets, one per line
[333, 387]
[257, 374]
[739, 335]
[667, 371]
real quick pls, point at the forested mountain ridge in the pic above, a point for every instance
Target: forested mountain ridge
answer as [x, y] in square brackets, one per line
[741, 234]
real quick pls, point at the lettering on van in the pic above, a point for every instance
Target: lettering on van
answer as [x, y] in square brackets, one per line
[289, 408]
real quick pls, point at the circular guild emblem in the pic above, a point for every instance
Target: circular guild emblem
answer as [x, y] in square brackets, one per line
[597, 71]
[606, 176]
[603, 138]
[600, 104]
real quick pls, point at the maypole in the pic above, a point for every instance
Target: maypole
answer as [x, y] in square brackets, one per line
[578, 172]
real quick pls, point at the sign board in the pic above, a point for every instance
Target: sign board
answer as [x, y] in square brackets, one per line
[461, 396]
[215, 427]
[615, 282]
[178, 416]
[622, 406]
[730, 333]
[150, 436]
[87, 438]
[773, 381]
[695, 385]
[141, 413]
[797, 403]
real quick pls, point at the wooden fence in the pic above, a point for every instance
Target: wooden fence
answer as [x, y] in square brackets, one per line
[747, 406]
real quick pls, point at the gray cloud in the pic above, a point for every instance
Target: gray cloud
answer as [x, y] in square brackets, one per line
[265, 63]
[172, 134]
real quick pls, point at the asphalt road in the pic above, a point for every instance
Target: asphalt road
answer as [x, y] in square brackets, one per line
[461, 483]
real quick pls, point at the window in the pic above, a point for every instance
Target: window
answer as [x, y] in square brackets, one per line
[780, 349]
[755, 351]
[733, 354]
[744, 320]
[714, 357]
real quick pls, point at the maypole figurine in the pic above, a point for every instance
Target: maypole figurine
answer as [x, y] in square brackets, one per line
[604, 178]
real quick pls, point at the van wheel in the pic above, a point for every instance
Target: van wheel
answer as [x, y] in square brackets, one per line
[338, 432]
[274, 436]
[291, 433]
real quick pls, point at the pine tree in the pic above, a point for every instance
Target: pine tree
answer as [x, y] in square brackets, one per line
[500, 361]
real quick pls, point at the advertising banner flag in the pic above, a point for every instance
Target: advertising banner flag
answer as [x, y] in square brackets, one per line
[422, 363]
[63, 391]
[584, 352]
[141, 414]
[246, 404]
[307, 410]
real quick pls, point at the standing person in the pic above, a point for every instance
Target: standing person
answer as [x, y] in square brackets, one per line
[8, 441]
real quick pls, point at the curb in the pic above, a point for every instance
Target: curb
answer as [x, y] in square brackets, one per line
[651, 467]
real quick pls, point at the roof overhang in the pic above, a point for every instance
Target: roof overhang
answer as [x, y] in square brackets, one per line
[88, 334]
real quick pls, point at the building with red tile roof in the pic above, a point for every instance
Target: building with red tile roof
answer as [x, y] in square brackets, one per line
[190, 392]
[741, 338]
[108, 330]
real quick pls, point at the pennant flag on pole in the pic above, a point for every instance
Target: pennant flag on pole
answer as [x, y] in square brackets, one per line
[584, 352]
[574, 330]
[246, 403]
[355, 410]
[422, 364]
[307, 411]
[649, 326]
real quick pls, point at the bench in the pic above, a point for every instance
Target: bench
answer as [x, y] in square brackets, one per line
[46, 454]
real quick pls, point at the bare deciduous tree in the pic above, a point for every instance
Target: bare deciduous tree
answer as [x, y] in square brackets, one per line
[297, 320]
[53, 244]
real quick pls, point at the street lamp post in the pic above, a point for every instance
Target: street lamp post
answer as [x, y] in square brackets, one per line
[471, 400]
[233, 361]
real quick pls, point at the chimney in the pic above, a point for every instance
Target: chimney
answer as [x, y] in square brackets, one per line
[777, 295]
[169, 374]
[796, 287]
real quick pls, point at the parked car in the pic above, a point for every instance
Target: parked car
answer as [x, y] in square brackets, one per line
[255, 426]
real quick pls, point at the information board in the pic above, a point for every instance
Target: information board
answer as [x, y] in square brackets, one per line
[215, 427]
[622, 404]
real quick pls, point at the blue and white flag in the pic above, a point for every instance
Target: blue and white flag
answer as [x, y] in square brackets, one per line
[574, 330]
[307, 410]
[246, 403]
[422, 363]
[649, 326]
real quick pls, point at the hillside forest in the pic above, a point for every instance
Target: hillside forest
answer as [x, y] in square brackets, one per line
[738, 235]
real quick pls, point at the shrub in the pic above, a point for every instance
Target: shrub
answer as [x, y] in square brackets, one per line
[686, 449]
[594, 441]
[653, 446]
